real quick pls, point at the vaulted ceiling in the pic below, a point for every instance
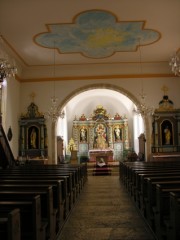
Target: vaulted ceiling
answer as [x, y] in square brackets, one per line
[67, 39]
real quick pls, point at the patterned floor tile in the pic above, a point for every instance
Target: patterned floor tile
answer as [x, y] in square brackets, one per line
[104, 211]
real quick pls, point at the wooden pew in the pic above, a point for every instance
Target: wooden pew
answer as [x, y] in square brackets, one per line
[66, 195]
[10, 227]
[30, 215]
[72, 179]
[79, 170]
[139, 175]
[142, 189]
[79, 173]
[24, 192]
[54, 172]
[173, 232]
[141, 180]
[57, 185]
[77, 177]
[134, 179]
[151, 201]
[162, 208]
[128, 170]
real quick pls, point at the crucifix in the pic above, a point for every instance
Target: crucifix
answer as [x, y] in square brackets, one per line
[165, 90]
[32, 96]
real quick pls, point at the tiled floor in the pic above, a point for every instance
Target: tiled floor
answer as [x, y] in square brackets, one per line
[104, 211]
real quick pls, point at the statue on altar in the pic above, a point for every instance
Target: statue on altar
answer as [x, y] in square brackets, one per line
[117, 133]
[83, 134]
[100, 137]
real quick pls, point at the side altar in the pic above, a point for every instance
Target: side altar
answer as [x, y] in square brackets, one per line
[166, 129]
[33, 134]
[101, 136]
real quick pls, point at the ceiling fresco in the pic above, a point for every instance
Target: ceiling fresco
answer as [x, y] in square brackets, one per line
[90, 39]
[97, 34]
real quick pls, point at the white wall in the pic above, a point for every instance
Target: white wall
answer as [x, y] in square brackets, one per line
[18, 99]
[12, 113]
[66, 90]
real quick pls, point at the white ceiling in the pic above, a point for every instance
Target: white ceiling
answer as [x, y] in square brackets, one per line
[86, 102]
[22, 21]
[111, 100]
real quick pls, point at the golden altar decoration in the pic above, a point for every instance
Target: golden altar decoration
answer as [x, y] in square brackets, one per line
[101, 135]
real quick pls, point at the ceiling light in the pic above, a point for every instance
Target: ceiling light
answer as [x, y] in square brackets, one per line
[54, 113]
[6, 68]
[175, 65]
[142, 109]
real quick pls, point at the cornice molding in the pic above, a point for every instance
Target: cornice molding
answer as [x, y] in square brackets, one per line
[98, 77]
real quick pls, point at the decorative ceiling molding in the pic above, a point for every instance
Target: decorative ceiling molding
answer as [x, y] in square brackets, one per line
[102, 77]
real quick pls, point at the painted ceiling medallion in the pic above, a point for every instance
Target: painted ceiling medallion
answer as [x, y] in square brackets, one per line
[96, 34]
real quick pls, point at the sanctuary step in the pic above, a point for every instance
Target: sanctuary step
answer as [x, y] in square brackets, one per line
[101, 171]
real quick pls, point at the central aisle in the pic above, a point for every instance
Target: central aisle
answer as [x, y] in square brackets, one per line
[104, 211]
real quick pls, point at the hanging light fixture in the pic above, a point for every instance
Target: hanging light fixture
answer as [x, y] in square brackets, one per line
[175, 64]
[142, 109]
[6, 68]
[54, 113]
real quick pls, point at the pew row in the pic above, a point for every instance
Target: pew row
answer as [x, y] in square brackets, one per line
[10, 228]
[152, 186]
[19, 184]
[30, 215]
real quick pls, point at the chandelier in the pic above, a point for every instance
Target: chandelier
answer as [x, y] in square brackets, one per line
[175, 65]
[142, 109]
[54, 113]
[6, 68]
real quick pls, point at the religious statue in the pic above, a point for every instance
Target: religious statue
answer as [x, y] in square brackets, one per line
[100, 140]
[71, 146]
[83, 134]
[167, 133]
[117, 116]
[33, 138]
[82, 118]
[117, 133]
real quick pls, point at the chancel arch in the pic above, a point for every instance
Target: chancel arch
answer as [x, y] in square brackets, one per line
[112, 97]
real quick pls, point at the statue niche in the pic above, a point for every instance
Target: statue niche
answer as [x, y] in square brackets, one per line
[33, 137]
[100, 136]
[166, 127]
[33, 134]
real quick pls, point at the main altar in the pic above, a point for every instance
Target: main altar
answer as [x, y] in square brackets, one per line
[97, 154]
[101, 136]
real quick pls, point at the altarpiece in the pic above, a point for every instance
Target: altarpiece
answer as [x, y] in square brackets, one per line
[32, 134]
[101, 136]
[166, 128]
